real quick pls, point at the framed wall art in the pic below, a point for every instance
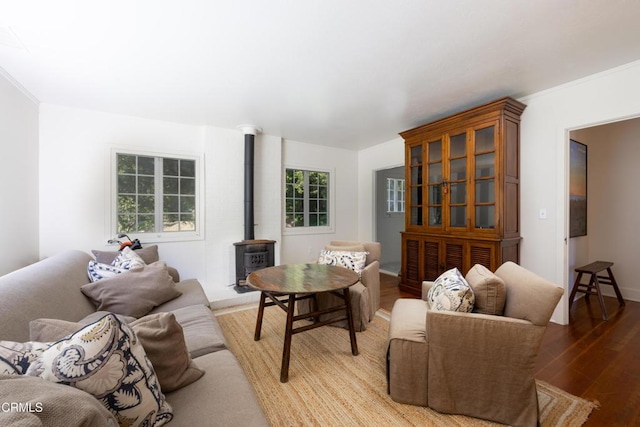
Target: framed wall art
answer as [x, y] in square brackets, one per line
[577, 189]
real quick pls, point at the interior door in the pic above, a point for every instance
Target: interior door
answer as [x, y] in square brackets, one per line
[390, 216]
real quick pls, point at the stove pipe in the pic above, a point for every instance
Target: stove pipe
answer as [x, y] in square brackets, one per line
[249, 141]
[249, 132]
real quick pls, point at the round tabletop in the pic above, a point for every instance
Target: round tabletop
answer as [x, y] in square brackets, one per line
[302, 278]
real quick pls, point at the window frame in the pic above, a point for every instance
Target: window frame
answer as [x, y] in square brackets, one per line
[162, 236]
[393, 193]
[323, 229]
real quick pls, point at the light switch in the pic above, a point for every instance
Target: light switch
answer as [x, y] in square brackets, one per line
[542, 214]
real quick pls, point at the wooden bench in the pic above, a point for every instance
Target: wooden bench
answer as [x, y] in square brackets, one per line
[593, 287]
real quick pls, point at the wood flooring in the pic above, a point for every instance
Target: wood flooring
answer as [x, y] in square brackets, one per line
[592, 358]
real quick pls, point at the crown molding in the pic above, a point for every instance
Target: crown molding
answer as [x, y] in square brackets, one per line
[21, 88]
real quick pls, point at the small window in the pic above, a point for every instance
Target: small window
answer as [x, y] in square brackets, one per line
[395, 195]
[306, 198]
[156, 195]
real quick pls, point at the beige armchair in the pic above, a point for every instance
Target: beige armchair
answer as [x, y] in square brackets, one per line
[365, 295]
[475, 364]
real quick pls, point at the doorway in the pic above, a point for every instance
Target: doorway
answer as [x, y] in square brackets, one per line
[389, 216]
[612, 204]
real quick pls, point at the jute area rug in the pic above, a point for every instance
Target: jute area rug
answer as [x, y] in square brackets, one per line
[330, 387]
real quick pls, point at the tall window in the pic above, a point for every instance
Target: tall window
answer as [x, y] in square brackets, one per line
[306, 198]
[156, 194]
[395, 195]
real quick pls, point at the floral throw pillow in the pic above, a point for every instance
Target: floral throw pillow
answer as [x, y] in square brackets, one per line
[15, 357]
[106, 360]
[98, 271]
[451, 292]
[126, 260]
[351, 260]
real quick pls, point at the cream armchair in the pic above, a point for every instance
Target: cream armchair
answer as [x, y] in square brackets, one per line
[365, 295]
[475, 364]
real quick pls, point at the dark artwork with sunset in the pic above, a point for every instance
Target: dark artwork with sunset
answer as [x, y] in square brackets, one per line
[577, 189]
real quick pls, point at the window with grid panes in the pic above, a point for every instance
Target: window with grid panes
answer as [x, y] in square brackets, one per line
[395, 195]
[156, 194]
[306, 198]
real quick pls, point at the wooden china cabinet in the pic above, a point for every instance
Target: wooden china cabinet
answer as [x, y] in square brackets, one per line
[462, 193]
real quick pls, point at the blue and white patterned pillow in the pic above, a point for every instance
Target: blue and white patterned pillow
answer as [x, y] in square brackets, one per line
[106, 360]
[351, 260]
[126, 260]
[451, 292]
[97, 271]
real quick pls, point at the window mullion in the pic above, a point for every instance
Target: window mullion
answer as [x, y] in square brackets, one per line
[395, 194]
[158, 193]
[305, 200]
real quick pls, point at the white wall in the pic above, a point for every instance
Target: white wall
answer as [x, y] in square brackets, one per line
[613, 203]
[18, 177]
[75, 175]
[343, 165]
[75, 153]
[549, 116]
[224, 150]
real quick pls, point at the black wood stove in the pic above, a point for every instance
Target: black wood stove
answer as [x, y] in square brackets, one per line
[251, 254]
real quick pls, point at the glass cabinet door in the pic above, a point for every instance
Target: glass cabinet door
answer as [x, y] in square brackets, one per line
[452, 180]
[485, 179]
[415, 185]
[434, 182]
[457, 184]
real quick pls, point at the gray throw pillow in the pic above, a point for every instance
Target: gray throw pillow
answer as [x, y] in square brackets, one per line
[49, 330]
[149, 255]
[163, 340]
[133, 293]
[97, 315]
[490, 291]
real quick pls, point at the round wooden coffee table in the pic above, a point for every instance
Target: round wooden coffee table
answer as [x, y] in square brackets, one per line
[286, 284]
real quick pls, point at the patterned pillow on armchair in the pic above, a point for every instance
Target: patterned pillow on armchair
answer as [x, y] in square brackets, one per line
[352, 260]
[451, 292]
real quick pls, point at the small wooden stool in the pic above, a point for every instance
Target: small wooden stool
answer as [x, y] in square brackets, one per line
[593, 287]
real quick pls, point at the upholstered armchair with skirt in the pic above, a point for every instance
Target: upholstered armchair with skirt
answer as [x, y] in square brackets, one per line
[365, 295]
[478, 363]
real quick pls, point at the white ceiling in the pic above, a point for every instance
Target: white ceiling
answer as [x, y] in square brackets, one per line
[340, 73]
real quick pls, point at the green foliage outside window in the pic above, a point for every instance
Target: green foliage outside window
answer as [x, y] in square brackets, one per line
[306, 198]
[144, 206]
